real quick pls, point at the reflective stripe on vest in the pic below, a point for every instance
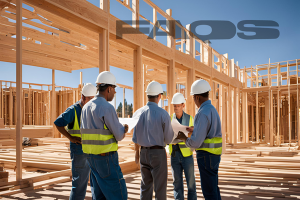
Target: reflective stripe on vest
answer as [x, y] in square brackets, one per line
[98, 141]
[213, 145]
[75, 131]
[187, 121]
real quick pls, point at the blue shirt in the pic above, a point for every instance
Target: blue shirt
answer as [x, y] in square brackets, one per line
[98, 112]
[68, 117]
[154, 127]
[207, 125]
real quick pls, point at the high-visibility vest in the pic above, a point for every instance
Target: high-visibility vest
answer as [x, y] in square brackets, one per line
[186, 121]
[75, 131]
[98, 141]
[213, 145]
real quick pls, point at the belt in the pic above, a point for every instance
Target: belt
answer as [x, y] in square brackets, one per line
[153, 147]
[107, 154]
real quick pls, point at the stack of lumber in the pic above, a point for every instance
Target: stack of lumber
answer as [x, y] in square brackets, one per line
[259, 170]
[48, 163]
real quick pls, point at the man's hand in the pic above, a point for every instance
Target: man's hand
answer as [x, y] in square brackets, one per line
[190, 129]
[125, 128]
[181, 136]
[76, 140]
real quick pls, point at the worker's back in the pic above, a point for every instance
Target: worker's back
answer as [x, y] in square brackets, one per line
[153, 127]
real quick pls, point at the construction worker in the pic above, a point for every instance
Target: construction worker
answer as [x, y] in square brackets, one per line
[100, 131]
[71, 119]
[181, 155]
[152, 132]
[206, 139]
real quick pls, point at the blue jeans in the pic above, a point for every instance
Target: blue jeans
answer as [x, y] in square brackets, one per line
[107, 177]
[80, 172]
[208, 165]
[178, 165]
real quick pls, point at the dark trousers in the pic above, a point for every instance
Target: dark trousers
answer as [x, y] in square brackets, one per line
[208, 165]
[154, 172]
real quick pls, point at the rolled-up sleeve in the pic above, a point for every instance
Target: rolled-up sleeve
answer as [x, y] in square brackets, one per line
[168, 130]
[113, 124]
[201, 127]
[65, 118]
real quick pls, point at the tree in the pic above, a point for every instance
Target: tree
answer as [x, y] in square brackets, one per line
[119, 110]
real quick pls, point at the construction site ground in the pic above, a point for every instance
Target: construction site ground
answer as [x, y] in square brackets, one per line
[247, 171]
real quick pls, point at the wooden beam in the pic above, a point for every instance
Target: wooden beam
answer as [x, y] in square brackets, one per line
[138, 87]
[170, 27]
[10, 107]
[271, 116]
[229, 114]
[123, 107]
[171, 84]
[257, 119]
[135, 13]
[154, 22]
[297, 110]
[190, 105]
[278, 117]
[19, 137]
[103, 51]
[289, 102]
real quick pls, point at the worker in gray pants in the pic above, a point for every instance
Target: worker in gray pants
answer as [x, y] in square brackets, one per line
[151, 134]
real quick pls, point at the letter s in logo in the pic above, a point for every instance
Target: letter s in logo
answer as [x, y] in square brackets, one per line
[261, 33]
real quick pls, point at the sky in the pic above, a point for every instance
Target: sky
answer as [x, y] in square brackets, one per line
[246, 52]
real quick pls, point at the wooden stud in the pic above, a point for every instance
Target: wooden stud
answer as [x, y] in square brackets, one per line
[271, 118]
[267, 119]
[138, 85]
[257, 118]
[154, 22]
[10, 114]
[190, 105]
[289, 105]
[19, 91]
[123, 107]
[170, 27]
[103, 51]
[171, 84]
[135, 13]
[229, 114]
[278, 117]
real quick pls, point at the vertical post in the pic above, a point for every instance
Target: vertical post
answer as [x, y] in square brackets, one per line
[103, 51]
[234, 117]
[257, 118]
[238, 105]
[289, 102]
[19, 90]
[190, 41]
[269, 76]
[171, 84]
[271, 119]
[138, 87]
[298, 118]
[252, 123]
[229, 114]
[11, 106]
[53, 109]
[256, 77]
[170, 27]
[144, 84]
[278, 75]
[123, 107]
[190, 105]
[222, 116]
[267, 119]
[135, 13]
[154, 22]
[251, 82]
[278, 117]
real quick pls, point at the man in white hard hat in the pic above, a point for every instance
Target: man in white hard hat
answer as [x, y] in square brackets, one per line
[100, 132]
[152, 132]
[206, 139]
[71, 119]
[181, 155]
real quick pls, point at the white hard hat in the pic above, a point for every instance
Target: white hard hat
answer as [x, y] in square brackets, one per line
[178, 98]
[200, 86]
[89, 90]
[154, 88]
[106, 77]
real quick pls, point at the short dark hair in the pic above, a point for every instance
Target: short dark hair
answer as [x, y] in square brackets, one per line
[103, 87]
[153, 97]
[205, 95]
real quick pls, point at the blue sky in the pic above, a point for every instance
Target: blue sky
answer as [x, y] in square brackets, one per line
[246, 52]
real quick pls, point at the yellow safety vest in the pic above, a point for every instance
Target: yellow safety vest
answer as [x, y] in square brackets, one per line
[186, 151]
[213, 145]
[75, 131]
[98, 141]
